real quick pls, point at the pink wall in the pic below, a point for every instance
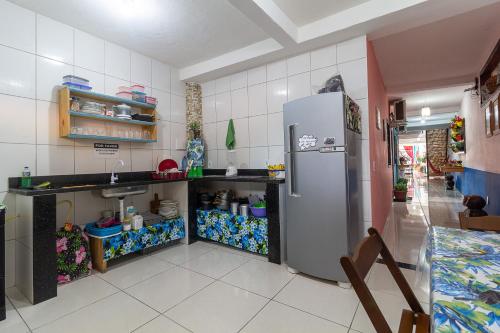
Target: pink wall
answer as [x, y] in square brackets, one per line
[482, 152]
[381, 174]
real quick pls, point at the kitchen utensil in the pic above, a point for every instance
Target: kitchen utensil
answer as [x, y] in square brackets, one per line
[244, 210]
[167, 164]
[155, 204]
[122, 109]
[234, 207]
[137, 222]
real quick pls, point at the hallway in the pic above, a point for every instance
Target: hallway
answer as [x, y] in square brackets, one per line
[409, 222]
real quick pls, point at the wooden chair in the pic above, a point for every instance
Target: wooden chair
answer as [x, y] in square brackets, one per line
[356, 269]
[483, 223]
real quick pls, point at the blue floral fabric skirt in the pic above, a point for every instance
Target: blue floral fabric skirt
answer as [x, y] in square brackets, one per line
[247, 233]
[136, 240]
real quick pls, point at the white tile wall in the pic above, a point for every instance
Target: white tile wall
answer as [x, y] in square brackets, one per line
[259, 105]
[35, 52]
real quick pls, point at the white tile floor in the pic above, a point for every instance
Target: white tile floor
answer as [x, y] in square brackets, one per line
[205, 287]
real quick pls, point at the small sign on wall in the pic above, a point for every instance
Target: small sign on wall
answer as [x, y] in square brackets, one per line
[106, 150]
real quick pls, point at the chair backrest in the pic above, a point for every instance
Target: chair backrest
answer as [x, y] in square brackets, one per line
[358, 266]
[483, 223]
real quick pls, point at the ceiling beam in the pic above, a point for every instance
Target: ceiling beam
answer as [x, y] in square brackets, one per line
[229, 59]
[270, 18]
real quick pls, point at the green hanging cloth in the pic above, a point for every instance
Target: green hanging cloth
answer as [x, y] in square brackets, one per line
[230, 137]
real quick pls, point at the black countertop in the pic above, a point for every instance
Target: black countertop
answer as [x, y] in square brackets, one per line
[90, 182]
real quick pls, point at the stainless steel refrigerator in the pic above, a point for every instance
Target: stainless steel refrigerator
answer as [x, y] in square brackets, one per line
[323, 177]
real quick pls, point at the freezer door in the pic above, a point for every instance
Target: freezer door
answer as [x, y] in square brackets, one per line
[316, 213]
[314, 122]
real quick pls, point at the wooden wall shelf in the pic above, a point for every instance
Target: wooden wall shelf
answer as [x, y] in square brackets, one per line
[66, 115]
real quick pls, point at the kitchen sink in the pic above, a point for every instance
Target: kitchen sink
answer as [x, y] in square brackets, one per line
[121, 192]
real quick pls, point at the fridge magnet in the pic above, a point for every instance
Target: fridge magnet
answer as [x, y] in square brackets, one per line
[353, 115]
[307, 141]
[379, 120]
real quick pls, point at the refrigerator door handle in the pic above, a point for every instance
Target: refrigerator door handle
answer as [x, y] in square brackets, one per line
[291, 137]
[292, 186]
[291, 162]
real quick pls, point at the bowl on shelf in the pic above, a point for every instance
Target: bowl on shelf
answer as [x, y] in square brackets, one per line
[258, 211]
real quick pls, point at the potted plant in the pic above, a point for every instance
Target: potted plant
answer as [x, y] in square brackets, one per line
[400, 190]
[195, 130]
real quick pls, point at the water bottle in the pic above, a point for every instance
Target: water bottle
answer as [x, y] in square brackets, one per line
[26, 178]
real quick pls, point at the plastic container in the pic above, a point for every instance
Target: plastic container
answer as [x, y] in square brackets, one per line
[151, 100]
[92, 230]
[258, 211]
[124, 89]
[77, 86]
[76, 80]
[139, 96]
[137, 87]
[124, 94]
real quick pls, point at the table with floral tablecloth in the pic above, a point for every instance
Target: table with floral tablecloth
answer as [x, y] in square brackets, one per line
[465, 280]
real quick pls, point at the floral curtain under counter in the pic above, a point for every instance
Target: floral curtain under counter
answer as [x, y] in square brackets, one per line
[465, 285]
[244, 232]
[136, 240]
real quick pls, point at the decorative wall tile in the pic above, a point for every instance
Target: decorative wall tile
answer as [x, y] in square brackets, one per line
[208, 88]
[238, 80]
[276, 95]
[258, 131]
[117, 61]
[257, 100]
[49, 74]
[221, 134]
[54, 40]
[17, 70]
[96, 80]
[89, 51]
[351, 49]
[241, 132]
[324, 57]
[298, 64]
[222, 85]
[223, 106]
[258, 157]
[257, 75]
[276, 70]
[20, 155]
[239, 103]
[55, 160]
[140, 69]
[17, 27]
[208, 109]
[18, 124]
[299, 86]
[275, 129]
[160, 76]
[354, 74]
[142, 159]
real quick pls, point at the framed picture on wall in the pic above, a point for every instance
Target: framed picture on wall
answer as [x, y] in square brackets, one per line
[496, 115]
[378, 118]
[489, 120]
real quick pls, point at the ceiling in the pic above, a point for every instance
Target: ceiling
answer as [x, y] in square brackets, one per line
[206, 39]
[440, 100]
[443, 53]
[306, 11]
[179, 32]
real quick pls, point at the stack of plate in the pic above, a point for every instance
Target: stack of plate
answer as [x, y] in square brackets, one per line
[169, 209]
[93, 107]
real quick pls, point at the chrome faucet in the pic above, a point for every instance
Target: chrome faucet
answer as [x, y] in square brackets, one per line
[114, 176]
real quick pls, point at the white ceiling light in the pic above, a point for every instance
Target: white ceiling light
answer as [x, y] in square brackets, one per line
[127, 9]
[426, 111]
